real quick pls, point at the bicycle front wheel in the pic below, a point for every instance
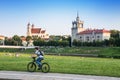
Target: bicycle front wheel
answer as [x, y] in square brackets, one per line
[31, 67]
[45, 67]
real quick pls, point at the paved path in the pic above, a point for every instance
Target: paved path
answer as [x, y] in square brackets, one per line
[15, 75]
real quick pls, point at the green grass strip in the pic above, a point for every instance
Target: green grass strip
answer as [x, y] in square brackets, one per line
[64, 64]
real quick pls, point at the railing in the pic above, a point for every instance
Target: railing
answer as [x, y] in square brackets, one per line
[25, 47]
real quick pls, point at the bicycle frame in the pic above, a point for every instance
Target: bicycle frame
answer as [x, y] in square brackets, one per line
[34, 59]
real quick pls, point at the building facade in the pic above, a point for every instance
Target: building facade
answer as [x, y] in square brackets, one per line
[2, 38]
[36, 32]
[79, 33]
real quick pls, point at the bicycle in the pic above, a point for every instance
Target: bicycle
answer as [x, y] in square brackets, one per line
[31, 66]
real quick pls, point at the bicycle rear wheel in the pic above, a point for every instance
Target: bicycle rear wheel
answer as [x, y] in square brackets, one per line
[45, 67]
[31, 67]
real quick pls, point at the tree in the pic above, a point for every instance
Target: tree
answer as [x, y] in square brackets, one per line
[117, 42]
[28, 38]
[69, 40]
[8, 41]
[39, 42]
[34, 38]
[115, 34]
[16, 40]
[115, 38]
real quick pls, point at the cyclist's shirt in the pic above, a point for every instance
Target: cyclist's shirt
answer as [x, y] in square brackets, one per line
[38, 53]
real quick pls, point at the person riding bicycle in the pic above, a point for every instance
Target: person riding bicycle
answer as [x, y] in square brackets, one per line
[40, 57]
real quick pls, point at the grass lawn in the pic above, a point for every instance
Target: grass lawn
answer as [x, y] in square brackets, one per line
[64, 64]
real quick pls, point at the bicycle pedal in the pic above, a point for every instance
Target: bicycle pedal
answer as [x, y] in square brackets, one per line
[39, 68]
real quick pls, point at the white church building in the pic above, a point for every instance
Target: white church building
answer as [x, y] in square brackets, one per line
[34, 31]
[79, 33]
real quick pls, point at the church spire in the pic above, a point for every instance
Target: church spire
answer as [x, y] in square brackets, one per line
[28, 24]
[77, 18]
[77, 14]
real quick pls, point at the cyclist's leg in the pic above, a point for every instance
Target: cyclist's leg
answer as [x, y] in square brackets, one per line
[38, 61]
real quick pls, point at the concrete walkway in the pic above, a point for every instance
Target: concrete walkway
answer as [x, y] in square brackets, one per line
[15, 75]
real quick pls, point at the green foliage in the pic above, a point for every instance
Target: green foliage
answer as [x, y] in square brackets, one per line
[115, 34]
[56, 41]
[39, 42]
[15, 40]
[51, 43]
[28, 38]
[15, 50]
[109, 52]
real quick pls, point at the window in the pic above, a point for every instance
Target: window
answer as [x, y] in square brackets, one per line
[80, 38]
[98, 38]
[87, 38]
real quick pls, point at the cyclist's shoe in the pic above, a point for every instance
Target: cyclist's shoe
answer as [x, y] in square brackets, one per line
[39, 68]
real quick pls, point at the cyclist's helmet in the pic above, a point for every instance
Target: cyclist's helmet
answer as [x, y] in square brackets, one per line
[36, 48]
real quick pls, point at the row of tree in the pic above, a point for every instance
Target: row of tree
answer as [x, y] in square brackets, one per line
[111, 42]
[53, 41]
[64, 41]
[15, 40]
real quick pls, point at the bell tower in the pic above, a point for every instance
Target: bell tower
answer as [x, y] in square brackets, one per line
[77, 27]
[28, 30]
[77, 18]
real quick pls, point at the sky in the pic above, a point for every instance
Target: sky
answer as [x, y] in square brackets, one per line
[56, 16]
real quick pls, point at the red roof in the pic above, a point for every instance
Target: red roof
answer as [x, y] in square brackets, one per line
[2, 37]
[95, 31]
[43, 31]
[35, 30]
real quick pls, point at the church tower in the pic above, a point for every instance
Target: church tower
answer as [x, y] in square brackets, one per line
[28, 29]
[77, 27]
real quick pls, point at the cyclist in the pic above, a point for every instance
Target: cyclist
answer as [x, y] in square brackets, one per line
[40, 57]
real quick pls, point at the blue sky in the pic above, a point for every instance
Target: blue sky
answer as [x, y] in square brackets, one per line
[56, 16]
